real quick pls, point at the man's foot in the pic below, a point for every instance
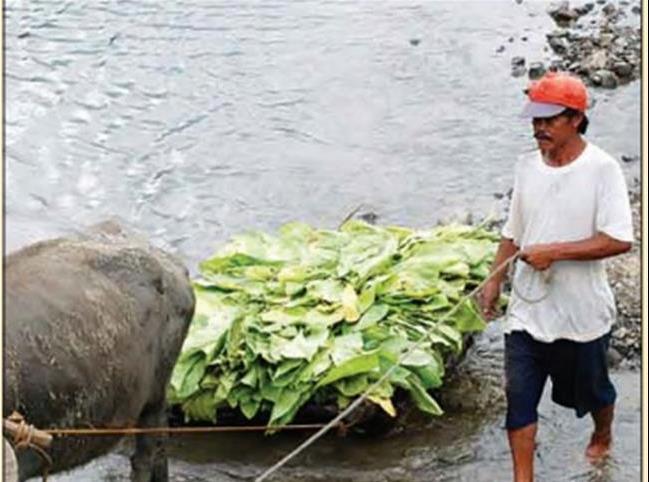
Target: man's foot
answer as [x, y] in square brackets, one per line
[599, 446]
[600, 441]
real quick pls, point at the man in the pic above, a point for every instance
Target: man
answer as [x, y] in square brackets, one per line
[569, 210]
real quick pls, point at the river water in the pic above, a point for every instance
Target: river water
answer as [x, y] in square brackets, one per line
[195, 120]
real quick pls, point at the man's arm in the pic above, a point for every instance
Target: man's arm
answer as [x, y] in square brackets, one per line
[541, 256]
[491, 290]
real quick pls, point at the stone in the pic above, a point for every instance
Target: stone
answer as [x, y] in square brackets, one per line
[562, 14]
[558, 44]
[584, 9]
[605, 39]
[597, 60]
[500, 49]
[623, 69]
[369, 217]
[556, 65]
[518, 61]
[586, 44]
[609, 10]
[636, 9]
[621, 43]
[578, 68]
[536, 71]
[519, 71]
[558, 33]
[604, 78]
[626, 158]
[574, 36]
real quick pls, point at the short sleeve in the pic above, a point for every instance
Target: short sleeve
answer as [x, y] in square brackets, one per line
[513, 227]
[613, 209]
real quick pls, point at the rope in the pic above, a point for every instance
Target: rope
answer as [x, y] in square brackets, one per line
[182, 430]
[546, 276]
[350, 215]
[366, 393]
[24, 435]
[22, 440]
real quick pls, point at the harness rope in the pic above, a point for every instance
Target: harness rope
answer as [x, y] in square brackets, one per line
[28, 437]
[183, 430]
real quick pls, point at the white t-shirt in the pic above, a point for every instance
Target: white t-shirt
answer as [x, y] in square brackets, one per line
[558, 204]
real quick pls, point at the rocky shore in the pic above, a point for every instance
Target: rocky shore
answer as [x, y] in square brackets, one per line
[624, 274]
[599, 41]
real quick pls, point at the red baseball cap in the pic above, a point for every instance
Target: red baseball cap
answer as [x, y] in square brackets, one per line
[553, 93]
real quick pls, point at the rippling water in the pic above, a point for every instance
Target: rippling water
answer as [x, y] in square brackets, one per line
[194, 120]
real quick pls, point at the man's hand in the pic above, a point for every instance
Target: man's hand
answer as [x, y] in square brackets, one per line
[539, 256]
[489, 296]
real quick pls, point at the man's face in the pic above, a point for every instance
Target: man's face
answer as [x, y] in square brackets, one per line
[553, 132]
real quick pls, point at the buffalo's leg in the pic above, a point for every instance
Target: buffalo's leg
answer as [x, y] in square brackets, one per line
[149, 462]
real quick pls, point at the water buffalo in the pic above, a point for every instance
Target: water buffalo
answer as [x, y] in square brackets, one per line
[93, 326]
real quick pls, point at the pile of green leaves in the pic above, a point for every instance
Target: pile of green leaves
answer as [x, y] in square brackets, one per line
[312, 314]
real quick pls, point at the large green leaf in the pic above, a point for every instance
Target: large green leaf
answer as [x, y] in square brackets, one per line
[372, 316]
[422, 398]
[345, 347]
[361, 364]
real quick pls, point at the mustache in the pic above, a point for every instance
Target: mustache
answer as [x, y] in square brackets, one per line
[542, 136]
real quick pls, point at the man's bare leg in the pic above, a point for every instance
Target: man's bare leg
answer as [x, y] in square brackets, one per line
[600, 440]
[522, 444]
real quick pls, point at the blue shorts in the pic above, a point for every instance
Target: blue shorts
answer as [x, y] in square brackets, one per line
[578, 372]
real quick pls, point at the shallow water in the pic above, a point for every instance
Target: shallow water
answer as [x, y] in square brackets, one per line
[196, 120]
[468, 443]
